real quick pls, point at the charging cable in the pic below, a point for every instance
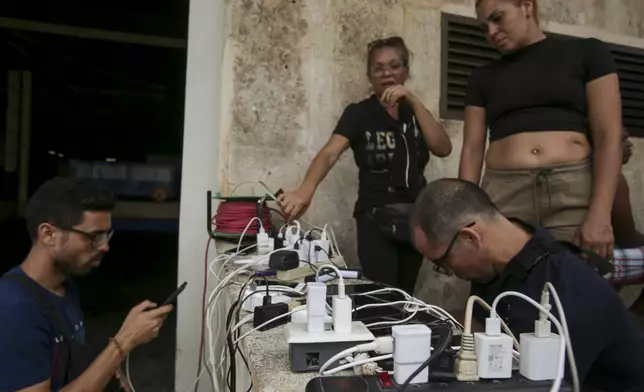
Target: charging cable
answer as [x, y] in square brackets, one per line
[341, 304]
[571, 356]
[357, 363]
[562, 346]
[382, 345]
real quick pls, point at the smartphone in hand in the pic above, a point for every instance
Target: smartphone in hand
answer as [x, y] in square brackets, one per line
[173, 297]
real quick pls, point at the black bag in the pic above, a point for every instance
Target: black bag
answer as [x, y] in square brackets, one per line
[392, 220]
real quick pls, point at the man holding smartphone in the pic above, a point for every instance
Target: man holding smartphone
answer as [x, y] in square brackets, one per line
[42, 335]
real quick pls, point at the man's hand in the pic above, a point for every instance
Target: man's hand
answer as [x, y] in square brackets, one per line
[142, 325]
[596, 235]
[294, 203]
[121, 377]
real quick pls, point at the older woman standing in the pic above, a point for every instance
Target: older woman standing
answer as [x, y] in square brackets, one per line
[391, 134]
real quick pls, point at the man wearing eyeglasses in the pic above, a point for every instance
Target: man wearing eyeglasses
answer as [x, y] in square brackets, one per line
[42, 334]
[455, 224]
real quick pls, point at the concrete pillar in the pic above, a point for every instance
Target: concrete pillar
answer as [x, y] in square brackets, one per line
[200, 172]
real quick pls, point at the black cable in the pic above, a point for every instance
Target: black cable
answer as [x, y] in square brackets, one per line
[446, 342]
[230, 382]
[231, 376]
[272, 290]
[233, 348]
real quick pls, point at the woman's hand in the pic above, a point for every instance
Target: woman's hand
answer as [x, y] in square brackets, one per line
[393, 94]
[294, 203]
[596, 235]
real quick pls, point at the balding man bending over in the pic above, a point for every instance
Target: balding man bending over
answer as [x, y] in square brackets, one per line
[455, 224]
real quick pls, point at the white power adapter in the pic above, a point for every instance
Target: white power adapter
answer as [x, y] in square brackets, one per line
[412, 347]
[539, 351]
[265, 244]
[315, 307]
[493, 351]
[320, 250]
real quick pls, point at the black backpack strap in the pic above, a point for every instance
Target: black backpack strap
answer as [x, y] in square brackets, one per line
[600, 264]
[54, 316]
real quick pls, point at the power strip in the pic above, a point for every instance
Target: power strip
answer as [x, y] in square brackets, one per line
[308, 351]
[385, 383]
[305, 269]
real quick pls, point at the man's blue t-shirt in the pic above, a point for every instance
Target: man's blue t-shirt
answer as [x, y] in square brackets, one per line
[606, 343]
[27, 336]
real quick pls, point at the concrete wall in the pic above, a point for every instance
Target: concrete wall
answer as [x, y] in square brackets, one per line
[290, 66]
[200, 173]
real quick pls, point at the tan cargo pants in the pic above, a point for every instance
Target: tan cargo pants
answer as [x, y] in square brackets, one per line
[554, 197]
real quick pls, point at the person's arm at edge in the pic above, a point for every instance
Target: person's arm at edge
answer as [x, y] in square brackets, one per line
[626, 235]
[436, 139]
[95, 378]
[605, 114]
[100, 372]
[325, 159]
[473, 151]
[295, 203]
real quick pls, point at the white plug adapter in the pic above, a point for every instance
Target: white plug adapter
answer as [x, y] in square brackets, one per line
[320, 250]
[412, 347]
[265, 244]
[315, 307]
[342, 313]
[493, 351]
[539, 353]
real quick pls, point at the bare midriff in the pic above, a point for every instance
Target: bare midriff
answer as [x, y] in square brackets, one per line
[529, 150]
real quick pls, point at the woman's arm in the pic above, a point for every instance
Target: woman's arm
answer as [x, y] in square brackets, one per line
[605, 115]
[295, 203]
[473, 152]
[626, 235]
[436, 139]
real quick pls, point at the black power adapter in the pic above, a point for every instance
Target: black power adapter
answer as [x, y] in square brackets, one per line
[284, 260]
[268, 311]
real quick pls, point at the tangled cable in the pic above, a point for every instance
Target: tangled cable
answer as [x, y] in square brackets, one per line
[233, 216]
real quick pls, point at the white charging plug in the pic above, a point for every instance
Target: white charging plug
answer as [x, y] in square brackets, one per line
[412, 347]
[493, 350]
[320, 250]
[539, 351]
[315, 306]
[265, 244]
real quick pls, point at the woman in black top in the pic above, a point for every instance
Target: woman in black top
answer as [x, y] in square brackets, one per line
[553, 106]
[391, 134]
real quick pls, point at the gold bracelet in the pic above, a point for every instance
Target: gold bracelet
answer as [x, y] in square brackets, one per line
[119, 348]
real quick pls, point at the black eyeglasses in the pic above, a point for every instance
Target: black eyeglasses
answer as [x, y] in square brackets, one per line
[439, 263]
[97, 238]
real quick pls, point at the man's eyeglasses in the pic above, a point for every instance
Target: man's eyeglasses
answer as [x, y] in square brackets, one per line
[439, 263]
[97, 239]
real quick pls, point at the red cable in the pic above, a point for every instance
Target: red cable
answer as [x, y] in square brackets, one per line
[233, 217]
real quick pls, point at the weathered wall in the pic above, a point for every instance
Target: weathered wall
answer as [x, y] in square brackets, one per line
[291, 66]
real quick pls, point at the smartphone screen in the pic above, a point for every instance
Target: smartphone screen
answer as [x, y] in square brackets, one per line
[173, 297]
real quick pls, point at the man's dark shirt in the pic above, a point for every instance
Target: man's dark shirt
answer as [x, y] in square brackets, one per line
[28, 340]
[605, 340]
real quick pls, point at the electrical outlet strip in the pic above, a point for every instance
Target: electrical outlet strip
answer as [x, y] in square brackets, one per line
[305, 270]
[256, 299]
[308, 351]
[259, 259]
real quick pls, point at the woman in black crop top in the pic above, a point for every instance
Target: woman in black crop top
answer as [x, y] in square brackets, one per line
[391, 134]
[553, 109]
